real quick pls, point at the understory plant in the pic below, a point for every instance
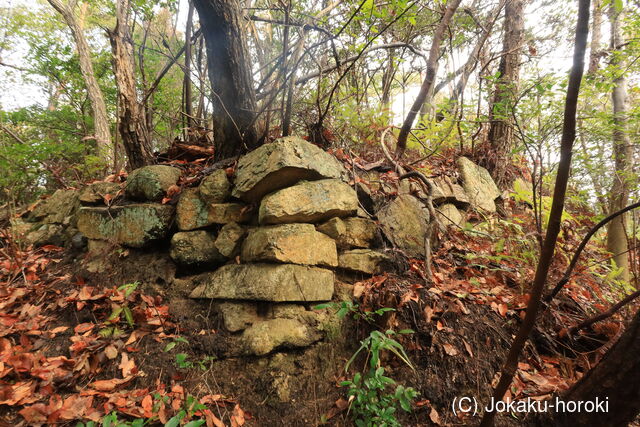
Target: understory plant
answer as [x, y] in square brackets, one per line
[374, 397]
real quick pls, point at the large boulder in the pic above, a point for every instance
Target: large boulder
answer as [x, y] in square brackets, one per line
[405, 223]
[290, 243]
[195, 248]
[363, 261]
[309, 201]
[478, 185]
[350, 232]
[57, 209]
[264, 337]
[97, 191]
[215, 188]
[150, 183]
[266, 282]
[133, 225]
[282, 164]
[194, 213]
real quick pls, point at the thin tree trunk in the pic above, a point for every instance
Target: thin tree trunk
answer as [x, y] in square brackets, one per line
[596, 25]
[132, 124]
[501, 129]
[234, 101]
[427, 84]
[557, 206]
[622, 152]
[98, 106]
[188, 108]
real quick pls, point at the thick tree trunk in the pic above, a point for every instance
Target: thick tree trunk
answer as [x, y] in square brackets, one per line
[622, 152]
[432, 70]
[615, 380]
[501, 128]
[98, 106]
[132, 123]
[234, 101]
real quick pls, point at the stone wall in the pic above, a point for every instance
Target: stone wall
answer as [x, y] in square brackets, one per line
[281, 235]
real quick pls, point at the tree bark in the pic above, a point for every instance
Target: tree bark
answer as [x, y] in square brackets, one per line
[132, 123]
[427, 84]
[622, 152]
[501, 129]
[596, 35]
[616, 380]
[557, 206]
[98, 106]
[234, 101]
[188, 106]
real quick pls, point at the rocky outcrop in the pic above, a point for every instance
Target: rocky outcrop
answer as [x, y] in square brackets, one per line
[309, 201]
[290, 243]
[134, 225]
[282, 164]
[350, 232]
[195, 248]
[267, 282]
[363, 261]
[405, 223]
[478, 185]
[150, 183]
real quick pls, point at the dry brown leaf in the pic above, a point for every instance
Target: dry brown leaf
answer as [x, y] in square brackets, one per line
[434, 416]
[108, 385]
[127, 365]
[450, 350]
[111, 352]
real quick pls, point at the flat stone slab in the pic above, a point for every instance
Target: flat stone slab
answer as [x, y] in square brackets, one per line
[282, 164]
[195, 248]
[132, 225]
[267, 282]
[350, 232]
[290, 243]
[478, 185]
[405, 223]
[363, 261]
[309, 201]
[150, 183]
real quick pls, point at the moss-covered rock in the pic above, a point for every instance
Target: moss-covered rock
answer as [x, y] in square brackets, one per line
[195, 248]
[216, 187]
[60, 208]
[478, 185]
[350, 232]
[134, 225]
[230, 239]
[405, 223]
[194, 213]
[96, 192]
[150, 183]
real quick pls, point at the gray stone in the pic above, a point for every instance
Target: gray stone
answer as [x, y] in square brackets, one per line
[309, 201]
[350, 232]
[449, 215]
[47, 234]
[57, 209]
[264, 337]
[229, 239]
[133, 225]
[290, 243]
[238, 316]
[96, 192]
[195, 247]
[478, 185]
[405, 223]
[446, 191]
[363, 261]
[282, 164]
[150, 183]
[267, 282]
[216, 187]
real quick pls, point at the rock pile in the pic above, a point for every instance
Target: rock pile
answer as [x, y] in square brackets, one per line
[265, 244]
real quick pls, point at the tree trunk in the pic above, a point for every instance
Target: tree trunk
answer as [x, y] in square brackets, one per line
[234, 101]
[432, 70]
[622, 152]
[132, 123]
[98, 106]
[615, 380]
[501, 129]
[188, 108]
[596, 25]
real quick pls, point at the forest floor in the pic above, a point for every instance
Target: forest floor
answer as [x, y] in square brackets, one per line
[74, 350]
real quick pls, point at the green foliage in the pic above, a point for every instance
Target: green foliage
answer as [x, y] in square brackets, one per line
[182, 359]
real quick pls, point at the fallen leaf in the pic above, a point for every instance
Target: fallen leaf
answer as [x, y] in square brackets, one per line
[83, 327]
[111, 352]
[108, 385]
[127, 365]
[237, 416]
[450, 350]
[434, 416]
